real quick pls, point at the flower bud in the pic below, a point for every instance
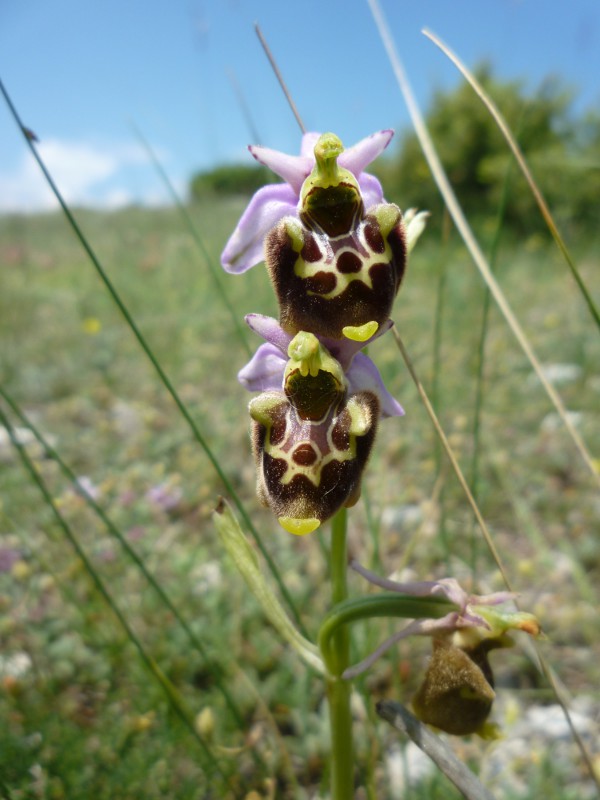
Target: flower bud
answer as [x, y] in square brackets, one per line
[457, 693]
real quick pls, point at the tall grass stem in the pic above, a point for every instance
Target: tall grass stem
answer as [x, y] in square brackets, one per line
[548, 673]
[520, 158]
[465, 231]
[197, 238]
[155, 363]
[169, 690]
[195, 642]
[279, 76]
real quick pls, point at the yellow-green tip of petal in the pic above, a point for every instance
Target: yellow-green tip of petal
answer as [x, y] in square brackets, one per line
[299, 527]
[360, 333]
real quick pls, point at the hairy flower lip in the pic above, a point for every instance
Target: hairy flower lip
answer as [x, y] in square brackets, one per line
[273, 202]
[265, 371]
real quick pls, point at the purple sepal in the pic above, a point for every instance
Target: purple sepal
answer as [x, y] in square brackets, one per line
[245, 246]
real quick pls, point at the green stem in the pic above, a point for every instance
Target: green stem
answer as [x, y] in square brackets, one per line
[372, 606]
[338, 690]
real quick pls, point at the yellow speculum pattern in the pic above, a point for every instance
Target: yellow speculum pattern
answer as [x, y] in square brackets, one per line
[313, 472]
[359, 426]
[304, 269]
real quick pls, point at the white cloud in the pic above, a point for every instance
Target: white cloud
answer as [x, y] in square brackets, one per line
[85, 174]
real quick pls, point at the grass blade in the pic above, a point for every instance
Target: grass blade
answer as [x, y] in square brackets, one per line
[546, 670]
[465, 231]
[279, 76]
[438, 751]
[150, 354]
[198, 241]
[131, 552]
[169, 690]
[520, 159]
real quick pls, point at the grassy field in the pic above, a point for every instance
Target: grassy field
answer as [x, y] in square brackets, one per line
[80, 714]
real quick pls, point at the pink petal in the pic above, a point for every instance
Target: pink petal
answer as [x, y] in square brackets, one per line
[419, 627]
[245, 246]
[370, 190]
[307, 148]
[293, 169]
[264, 372]
[270, 330]
[357, 157]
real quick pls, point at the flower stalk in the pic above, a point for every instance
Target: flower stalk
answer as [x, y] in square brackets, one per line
[336, 254]
[337, 660]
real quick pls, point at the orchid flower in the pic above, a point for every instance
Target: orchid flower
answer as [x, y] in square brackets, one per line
[458, 690]
[307, 469]
[336, 255]
[313, 423]
[266, 370]
[273, 202]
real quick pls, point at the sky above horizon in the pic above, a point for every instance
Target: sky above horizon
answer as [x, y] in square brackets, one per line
[84, 76]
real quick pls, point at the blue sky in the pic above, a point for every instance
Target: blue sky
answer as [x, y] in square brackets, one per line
[81, 73]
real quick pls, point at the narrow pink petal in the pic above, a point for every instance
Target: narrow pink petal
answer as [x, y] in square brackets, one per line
[491, 599]
[270, 330]
[245, 246]
[419, 627]
[293, 169]
[418, 589]
[357, 157]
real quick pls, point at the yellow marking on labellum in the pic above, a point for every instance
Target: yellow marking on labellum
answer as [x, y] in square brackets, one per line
[313, 471]
[304, 269]
[361, 333]
[299, 527]
[388, 217]
[360, 424]
[361, 420]
[295, 232]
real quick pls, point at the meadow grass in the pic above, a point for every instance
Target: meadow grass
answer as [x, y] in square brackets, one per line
[83, 717]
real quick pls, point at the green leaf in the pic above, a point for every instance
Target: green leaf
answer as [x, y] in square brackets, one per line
[246, 560]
